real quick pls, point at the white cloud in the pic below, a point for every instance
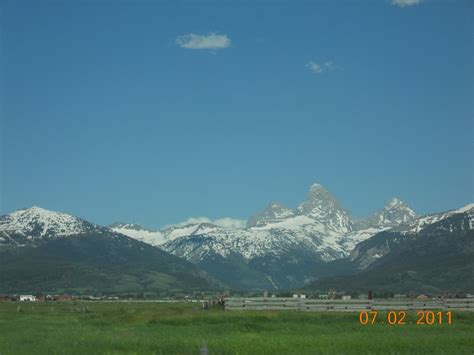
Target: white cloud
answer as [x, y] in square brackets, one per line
[403, 3]
[192, 220]
[212, 41]
[228, 222]
[329, 65]
[318, 68]
[225, 222]
[314, 67]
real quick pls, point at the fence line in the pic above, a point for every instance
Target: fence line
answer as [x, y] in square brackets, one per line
[353, 305]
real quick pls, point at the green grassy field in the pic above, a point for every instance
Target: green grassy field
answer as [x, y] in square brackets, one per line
[157, 328]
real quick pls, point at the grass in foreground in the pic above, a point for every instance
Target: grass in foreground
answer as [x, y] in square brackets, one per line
[157, 328]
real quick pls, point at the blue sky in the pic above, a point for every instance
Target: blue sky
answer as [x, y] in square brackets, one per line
[113, 111]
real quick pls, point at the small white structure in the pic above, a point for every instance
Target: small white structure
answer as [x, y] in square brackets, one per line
[346, 298]
[30, 298]
[299, 296]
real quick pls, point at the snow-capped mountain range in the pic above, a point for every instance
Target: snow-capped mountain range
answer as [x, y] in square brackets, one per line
[419, 224]
[319, 225]
[160, 237]
[445, 224]
[279, 247]
[53, 251]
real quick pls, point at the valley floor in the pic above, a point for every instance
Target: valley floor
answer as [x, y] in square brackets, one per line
[156, 328]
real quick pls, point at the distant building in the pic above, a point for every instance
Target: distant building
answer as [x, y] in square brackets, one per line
[295, 296]
[323, 296]
[302, 296]
[346, 297]
[30, 298]
[422, 297]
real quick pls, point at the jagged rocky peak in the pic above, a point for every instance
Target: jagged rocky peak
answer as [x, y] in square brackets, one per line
[395, 212]
[322, 206]
[318, 197]
[395, 203]
[274, 211]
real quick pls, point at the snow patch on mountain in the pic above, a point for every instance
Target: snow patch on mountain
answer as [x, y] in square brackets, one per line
[367, 252]
[159, 237]
[258, 241]
[274, 212]
[137, 232]
[323, 207]
[42, 222]
[468, 208]
[225, 222]
[394, 213]
[350, 240]
[421, 223]
[35, 225]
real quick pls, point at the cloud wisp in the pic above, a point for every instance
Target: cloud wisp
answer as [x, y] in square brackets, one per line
[404, 3]
[211, 41]
[319, 68]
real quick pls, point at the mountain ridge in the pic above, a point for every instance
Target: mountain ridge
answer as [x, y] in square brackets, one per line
[435, 259]
[53, 251]
[280, 248]
[319, 228]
